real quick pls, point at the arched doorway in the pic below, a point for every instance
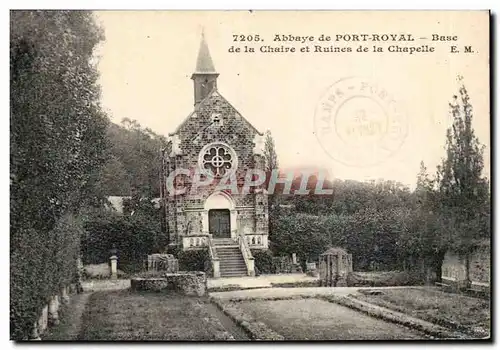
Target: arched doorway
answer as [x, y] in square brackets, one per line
[219, 217]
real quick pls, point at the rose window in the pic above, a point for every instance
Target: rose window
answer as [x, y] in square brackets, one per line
[217, 160]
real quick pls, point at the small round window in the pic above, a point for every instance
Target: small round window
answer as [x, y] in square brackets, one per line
[218, 160]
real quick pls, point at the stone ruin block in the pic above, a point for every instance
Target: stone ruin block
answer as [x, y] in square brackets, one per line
[163, 262]
[187, 283]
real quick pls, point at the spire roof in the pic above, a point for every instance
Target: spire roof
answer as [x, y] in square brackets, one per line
[204, 64]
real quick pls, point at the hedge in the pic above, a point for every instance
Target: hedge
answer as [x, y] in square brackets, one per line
[263, 261]
[57, 146]
[40, 265]
[130, 237]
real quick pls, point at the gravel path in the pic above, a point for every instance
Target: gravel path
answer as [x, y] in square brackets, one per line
[71, 320]
[70, 324]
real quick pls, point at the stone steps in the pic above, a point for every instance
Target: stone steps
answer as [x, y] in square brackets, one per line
[230, 258]
[224, 242]
[232, 263]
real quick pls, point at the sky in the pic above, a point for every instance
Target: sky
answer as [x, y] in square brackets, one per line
[147, 59]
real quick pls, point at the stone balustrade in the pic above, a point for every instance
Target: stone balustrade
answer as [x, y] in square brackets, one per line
[213, 257]
[193, 242]
[256, 241]
[200, 241]
[247, 255]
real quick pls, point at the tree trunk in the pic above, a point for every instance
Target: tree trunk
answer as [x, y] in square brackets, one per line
[439, 264]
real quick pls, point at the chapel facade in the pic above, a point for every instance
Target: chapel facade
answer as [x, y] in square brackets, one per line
[218, 143]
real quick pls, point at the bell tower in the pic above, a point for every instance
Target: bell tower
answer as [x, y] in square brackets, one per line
[205, 76]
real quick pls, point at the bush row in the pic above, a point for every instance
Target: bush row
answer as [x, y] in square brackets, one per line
[40, 265]
[57, 143]
[130, 237]
[267, 263]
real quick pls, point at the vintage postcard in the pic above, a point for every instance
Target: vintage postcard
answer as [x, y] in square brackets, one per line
[250, 175]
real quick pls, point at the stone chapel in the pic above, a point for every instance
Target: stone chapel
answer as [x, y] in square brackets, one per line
[217, 141]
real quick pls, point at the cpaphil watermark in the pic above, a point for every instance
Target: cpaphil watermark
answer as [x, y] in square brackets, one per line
[302, 182]
[358, 122]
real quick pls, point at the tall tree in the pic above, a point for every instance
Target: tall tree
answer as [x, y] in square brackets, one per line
[462, 189]
[270, 152]
[271, 159]
[426, 241]
[134, 166]
[58, 138]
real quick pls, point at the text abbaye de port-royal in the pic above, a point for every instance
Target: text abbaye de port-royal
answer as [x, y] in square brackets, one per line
[380, 37]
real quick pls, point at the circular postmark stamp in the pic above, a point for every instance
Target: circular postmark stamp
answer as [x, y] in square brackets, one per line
[358, 123]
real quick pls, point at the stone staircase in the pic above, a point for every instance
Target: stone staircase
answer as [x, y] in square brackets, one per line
[224, 242]
[232, 263]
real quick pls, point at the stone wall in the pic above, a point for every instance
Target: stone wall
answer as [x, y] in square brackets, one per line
[190, 283]
[454, 266]
[480, 265]
[152, 284]
[246, 221]
[187, 283]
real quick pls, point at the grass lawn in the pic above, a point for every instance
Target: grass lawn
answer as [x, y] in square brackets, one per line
[450, 310]
[315, 319]
[125, 315]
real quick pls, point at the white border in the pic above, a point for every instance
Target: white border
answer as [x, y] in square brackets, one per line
[243, 5]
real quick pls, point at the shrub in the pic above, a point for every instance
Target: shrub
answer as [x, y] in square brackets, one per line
[133, 237]
[175, 250]
[263, 261]
[282, 264]
[41, 264]
[303, 234]
[194, 260]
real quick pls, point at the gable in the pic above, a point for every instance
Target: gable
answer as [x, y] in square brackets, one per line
[201, 118]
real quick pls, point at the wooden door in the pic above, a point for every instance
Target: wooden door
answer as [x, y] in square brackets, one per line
[219, 223]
